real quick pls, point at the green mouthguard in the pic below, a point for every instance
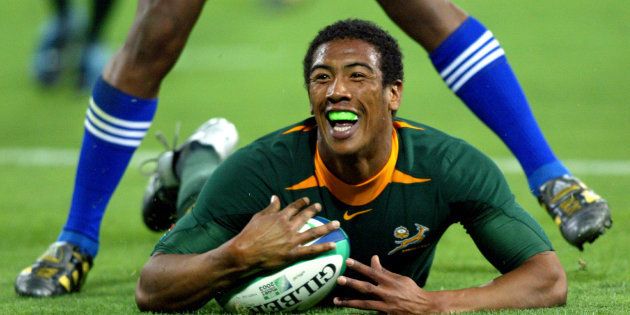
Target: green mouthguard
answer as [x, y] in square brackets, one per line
[335, 116]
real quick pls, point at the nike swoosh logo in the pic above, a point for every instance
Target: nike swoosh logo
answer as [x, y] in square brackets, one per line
[348, 217]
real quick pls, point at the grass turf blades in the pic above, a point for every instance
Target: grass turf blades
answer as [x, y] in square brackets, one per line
[243, 62]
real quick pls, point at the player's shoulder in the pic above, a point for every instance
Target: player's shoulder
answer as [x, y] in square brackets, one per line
[305, 125]
[293, 138]
[282, 148]
[421, 143]
[425, 137]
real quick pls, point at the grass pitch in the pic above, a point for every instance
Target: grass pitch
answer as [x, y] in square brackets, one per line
[243, 62]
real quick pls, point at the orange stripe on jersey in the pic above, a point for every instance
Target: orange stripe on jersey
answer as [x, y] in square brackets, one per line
[402, 178]
[401, 124]
[361, 193]
[303, 128]
[307, 183]
[364, 192]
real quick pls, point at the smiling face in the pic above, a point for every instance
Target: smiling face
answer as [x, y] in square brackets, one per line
[352, 108]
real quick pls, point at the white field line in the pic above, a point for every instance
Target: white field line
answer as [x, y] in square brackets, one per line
[55, 157]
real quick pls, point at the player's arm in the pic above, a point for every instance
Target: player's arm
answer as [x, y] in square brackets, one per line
[175, 282]
[511, 240]
[185, 282]
[508, 237]
[539, 282]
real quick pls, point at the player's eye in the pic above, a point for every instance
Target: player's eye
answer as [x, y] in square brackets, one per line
[319, 77]
[357, 75]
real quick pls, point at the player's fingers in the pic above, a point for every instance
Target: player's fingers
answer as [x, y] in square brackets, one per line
[302, 217]
[274, 205]
[361, 304]
[295, 207]
[361, 286]
[316, 232]
[374, 274]
[310, 250]
[375, 263]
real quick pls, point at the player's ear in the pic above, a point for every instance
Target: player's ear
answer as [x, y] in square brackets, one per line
[394, 95]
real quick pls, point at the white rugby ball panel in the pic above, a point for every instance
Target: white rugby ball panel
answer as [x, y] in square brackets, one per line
[297, 287]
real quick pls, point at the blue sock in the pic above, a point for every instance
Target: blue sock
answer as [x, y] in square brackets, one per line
[474, 66]
[115, 125]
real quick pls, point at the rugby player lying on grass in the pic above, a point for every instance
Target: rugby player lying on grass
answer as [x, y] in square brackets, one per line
[393, 185]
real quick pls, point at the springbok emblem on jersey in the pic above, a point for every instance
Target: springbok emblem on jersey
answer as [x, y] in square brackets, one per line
[402, 233]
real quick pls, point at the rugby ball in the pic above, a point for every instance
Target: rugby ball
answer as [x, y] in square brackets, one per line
[296, 287]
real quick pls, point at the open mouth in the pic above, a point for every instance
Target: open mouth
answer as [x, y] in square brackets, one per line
[342, 122]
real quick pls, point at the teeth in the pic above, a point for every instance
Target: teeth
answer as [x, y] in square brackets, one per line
[341, 128]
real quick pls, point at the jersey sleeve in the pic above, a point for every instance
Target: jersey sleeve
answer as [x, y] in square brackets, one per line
[482, 202]
[237, 189]
[191, 235]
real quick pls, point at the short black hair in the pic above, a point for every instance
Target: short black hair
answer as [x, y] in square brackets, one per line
[385, 44]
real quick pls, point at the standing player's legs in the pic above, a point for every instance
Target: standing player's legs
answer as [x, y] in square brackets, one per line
[68, 26]
[56, 33]
[94, 54]
[473, 65]
[121, 110]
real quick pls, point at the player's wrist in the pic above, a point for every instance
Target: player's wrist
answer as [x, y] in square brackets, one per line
[236, 257]
[440, 301]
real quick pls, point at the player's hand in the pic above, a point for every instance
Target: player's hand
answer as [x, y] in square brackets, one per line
[392, 293]
[272, 239]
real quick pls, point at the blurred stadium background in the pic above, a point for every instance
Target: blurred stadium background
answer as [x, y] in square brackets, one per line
[243, 62]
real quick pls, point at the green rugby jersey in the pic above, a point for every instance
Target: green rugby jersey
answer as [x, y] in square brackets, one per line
[431, 181]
